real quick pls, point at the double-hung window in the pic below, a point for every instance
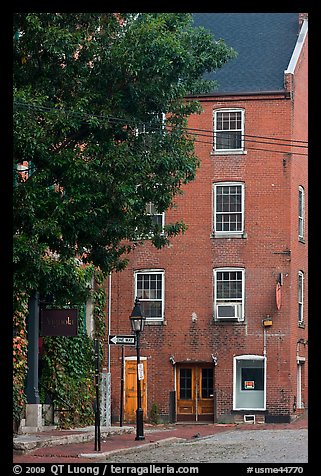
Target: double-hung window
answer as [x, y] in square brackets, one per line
[300, 297]
[229, 294]
[149, 288]
[301, 213]
[228, 130]
[228, 209]
[158, 219]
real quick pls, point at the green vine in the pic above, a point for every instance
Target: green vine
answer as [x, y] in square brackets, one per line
[67, 363]
[68, 366]
[68, 378]
[99, 306]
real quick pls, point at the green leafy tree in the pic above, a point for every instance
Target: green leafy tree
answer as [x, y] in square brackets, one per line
[89, 93]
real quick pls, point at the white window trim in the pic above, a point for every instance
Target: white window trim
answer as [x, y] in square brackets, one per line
[142, 128]
[301, 278]
[152, 271]
[227, 234]
[240, 150]
[229, 269]
[301, 213]
[150, 235]
[299, 400]
[248, 357]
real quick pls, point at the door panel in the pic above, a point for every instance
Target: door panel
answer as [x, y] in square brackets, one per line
[185, 401]
[130, 400]
[195, 393]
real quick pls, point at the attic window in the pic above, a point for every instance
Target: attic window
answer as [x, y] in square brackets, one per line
[228, 130]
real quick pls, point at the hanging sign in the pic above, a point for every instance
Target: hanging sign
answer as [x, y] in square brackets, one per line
[59, 322]
[278, 296]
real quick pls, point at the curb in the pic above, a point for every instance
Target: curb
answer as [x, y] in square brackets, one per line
[29, 442]
[146, 446]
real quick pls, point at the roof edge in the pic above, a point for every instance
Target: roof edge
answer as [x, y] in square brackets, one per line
[280, 92]
[298, 48]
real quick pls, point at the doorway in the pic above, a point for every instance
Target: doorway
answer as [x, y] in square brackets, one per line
[299, 399]
[130, 400]
[195, 395]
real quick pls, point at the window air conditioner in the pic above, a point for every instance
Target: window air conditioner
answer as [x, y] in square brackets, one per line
[229, 311]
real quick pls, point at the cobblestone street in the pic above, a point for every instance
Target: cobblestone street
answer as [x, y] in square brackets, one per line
[246, 446]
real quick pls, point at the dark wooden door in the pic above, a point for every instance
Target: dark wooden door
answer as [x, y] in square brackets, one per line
[195, 400]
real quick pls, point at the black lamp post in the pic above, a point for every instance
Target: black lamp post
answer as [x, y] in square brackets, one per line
[137, 321]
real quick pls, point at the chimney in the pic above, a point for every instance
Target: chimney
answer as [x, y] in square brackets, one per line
[302, 17]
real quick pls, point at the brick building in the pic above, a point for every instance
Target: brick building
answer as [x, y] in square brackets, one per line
[225, 337]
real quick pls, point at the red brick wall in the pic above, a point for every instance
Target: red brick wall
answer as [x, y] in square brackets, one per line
[271, 177]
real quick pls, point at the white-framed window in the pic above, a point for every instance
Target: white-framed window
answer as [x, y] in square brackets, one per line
[301, 213]
[228, 130]
[229, 286]
[155, 124]
[157, 222]
[149, 289]
[300, 296]
[158, 218]
[228, 204]
[249, 382]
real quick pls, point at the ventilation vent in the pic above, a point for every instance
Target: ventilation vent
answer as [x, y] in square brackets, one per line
[249, 419]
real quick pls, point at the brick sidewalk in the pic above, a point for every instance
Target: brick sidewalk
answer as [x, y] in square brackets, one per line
[69, 453]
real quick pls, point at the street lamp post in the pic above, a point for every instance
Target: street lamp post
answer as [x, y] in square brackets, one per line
[137, 321]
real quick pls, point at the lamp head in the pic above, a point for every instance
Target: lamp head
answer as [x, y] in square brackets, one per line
[137, 319]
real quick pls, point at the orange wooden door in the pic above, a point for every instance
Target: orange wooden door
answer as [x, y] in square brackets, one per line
[130, 400]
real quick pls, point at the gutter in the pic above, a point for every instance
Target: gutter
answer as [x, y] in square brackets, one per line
[278, 92]
[236, 93]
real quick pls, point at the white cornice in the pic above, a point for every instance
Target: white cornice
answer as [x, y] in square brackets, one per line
[298, 48]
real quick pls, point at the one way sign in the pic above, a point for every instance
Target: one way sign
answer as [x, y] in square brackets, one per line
[122, 340]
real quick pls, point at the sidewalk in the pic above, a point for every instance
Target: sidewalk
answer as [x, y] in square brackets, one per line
[77, 446]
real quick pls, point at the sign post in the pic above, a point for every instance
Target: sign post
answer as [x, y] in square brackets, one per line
[97, 406]
[121, 387]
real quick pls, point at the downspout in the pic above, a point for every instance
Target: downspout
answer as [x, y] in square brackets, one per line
[264, 341]
[109, 318]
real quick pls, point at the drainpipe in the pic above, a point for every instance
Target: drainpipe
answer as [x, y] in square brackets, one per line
[264, 341]
[109, 317]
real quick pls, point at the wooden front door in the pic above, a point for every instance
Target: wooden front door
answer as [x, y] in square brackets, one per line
[130, 400]
[195, 400]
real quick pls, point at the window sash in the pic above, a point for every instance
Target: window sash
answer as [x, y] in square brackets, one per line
[149, 289]
[157, 218]
[229, 288]
[228, 130]
[228, 208]
[300, 295]
[301, 212]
